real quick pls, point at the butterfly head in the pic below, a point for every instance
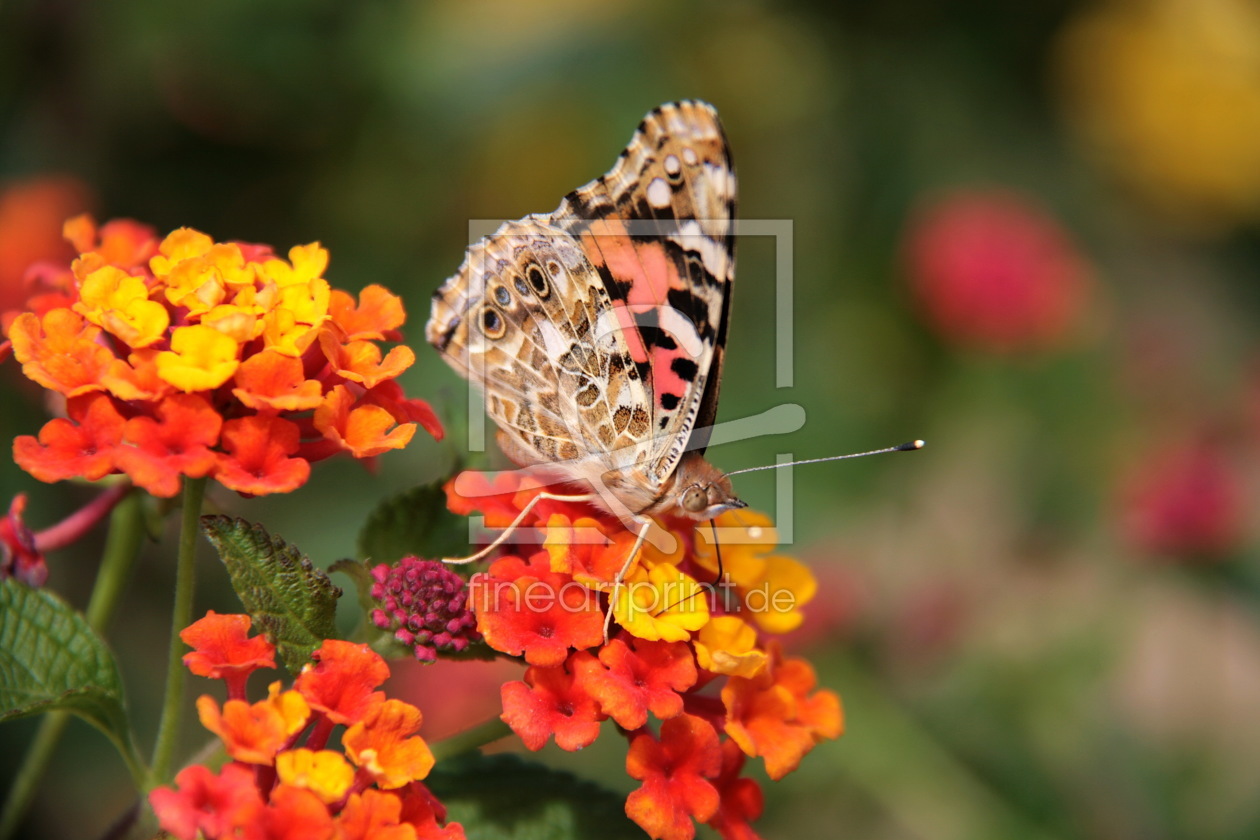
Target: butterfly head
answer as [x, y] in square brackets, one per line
[702, 491]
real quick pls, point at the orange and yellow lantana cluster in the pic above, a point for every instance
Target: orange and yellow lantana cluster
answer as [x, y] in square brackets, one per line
[279, 784]
[697, 657]
[183, 356]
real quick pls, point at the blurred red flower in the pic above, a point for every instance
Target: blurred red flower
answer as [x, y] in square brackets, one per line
[31, 215]
[993, 271]
[1185, 501]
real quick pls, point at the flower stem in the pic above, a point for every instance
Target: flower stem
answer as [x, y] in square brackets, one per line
[181, 616]
[470, 739]
[122, 545]
[69, 530]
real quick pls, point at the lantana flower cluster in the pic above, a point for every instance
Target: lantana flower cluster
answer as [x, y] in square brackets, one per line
[283, 780]
[698, 659]
[425, 605]
[182, 356]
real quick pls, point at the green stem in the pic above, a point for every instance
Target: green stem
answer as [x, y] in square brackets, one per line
[122, 546]
[471, 739]
[34, 764]
[181, 617]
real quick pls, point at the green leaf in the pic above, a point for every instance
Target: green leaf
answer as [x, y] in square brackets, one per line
[51, 659]
[290, 600]
[413, 522]
[503, 797]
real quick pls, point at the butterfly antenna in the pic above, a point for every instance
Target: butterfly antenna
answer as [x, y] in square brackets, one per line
[909, 446]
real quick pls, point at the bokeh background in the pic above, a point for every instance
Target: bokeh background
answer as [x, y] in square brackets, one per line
[1026, 232]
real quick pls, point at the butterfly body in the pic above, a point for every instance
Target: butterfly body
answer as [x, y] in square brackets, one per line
[597, 331]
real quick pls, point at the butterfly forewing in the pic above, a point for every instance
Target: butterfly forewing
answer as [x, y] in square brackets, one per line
[596, 331]
[659, 227]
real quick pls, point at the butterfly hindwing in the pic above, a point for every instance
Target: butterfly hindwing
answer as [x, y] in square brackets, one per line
[528, 320]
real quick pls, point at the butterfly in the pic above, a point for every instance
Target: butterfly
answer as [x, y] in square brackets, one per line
[597, 332]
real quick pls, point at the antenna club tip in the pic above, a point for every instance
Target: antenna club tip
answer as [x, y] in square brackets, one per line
[912, 445]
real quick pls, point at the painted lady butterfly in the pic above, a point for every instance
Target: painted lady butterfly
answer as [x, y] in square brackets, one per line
[597, 332]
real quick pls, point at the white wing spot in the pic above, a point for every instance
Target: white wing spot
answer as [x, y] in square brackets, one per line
[672, 166]
[692, 237]
[689, 155]
[679, 327]
[658, 193]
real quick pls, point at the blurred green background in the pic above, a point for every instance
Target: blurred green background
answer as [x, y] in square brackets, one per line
[1025, 232]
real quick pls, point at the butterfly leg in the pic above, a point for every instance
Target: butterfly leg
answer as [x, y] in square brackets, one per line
[507, 532]
[619, 581]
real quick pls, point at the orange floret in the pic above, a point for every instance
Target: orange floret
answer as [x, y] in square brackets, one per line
[363, 430]
[257, 459]
[82, 447]
[60, 351]
[342, 681]
[377, 317]
[271, 380]
[361, 361]
[224, 650]
[385, 745]
[774, 715]
[175, 444]
[675, 772]
[254, 733]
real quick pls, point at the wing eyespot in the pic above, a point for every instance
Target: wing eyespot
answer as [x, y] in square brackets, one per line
[492, 324]
[538, 281]
[502, 295]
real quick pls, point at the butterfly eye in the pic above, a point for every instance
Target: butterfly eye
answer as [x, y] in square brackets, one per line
[492, 323]
[502, 295]
[695, 499]
[538, 281]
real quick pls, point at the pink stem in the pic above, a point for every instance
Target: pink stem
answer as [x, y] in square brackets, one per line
[69, 530]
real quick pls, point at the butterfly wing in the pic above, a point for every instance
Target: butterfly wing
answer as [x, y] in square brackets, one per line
[528, 320]
[659, 228]
[596, 331]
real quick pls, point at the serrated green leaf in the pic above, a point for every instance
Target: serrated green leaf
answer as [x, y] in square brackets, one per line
[51, 659]
[503, 797]
[290, 600]
[413, 522]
